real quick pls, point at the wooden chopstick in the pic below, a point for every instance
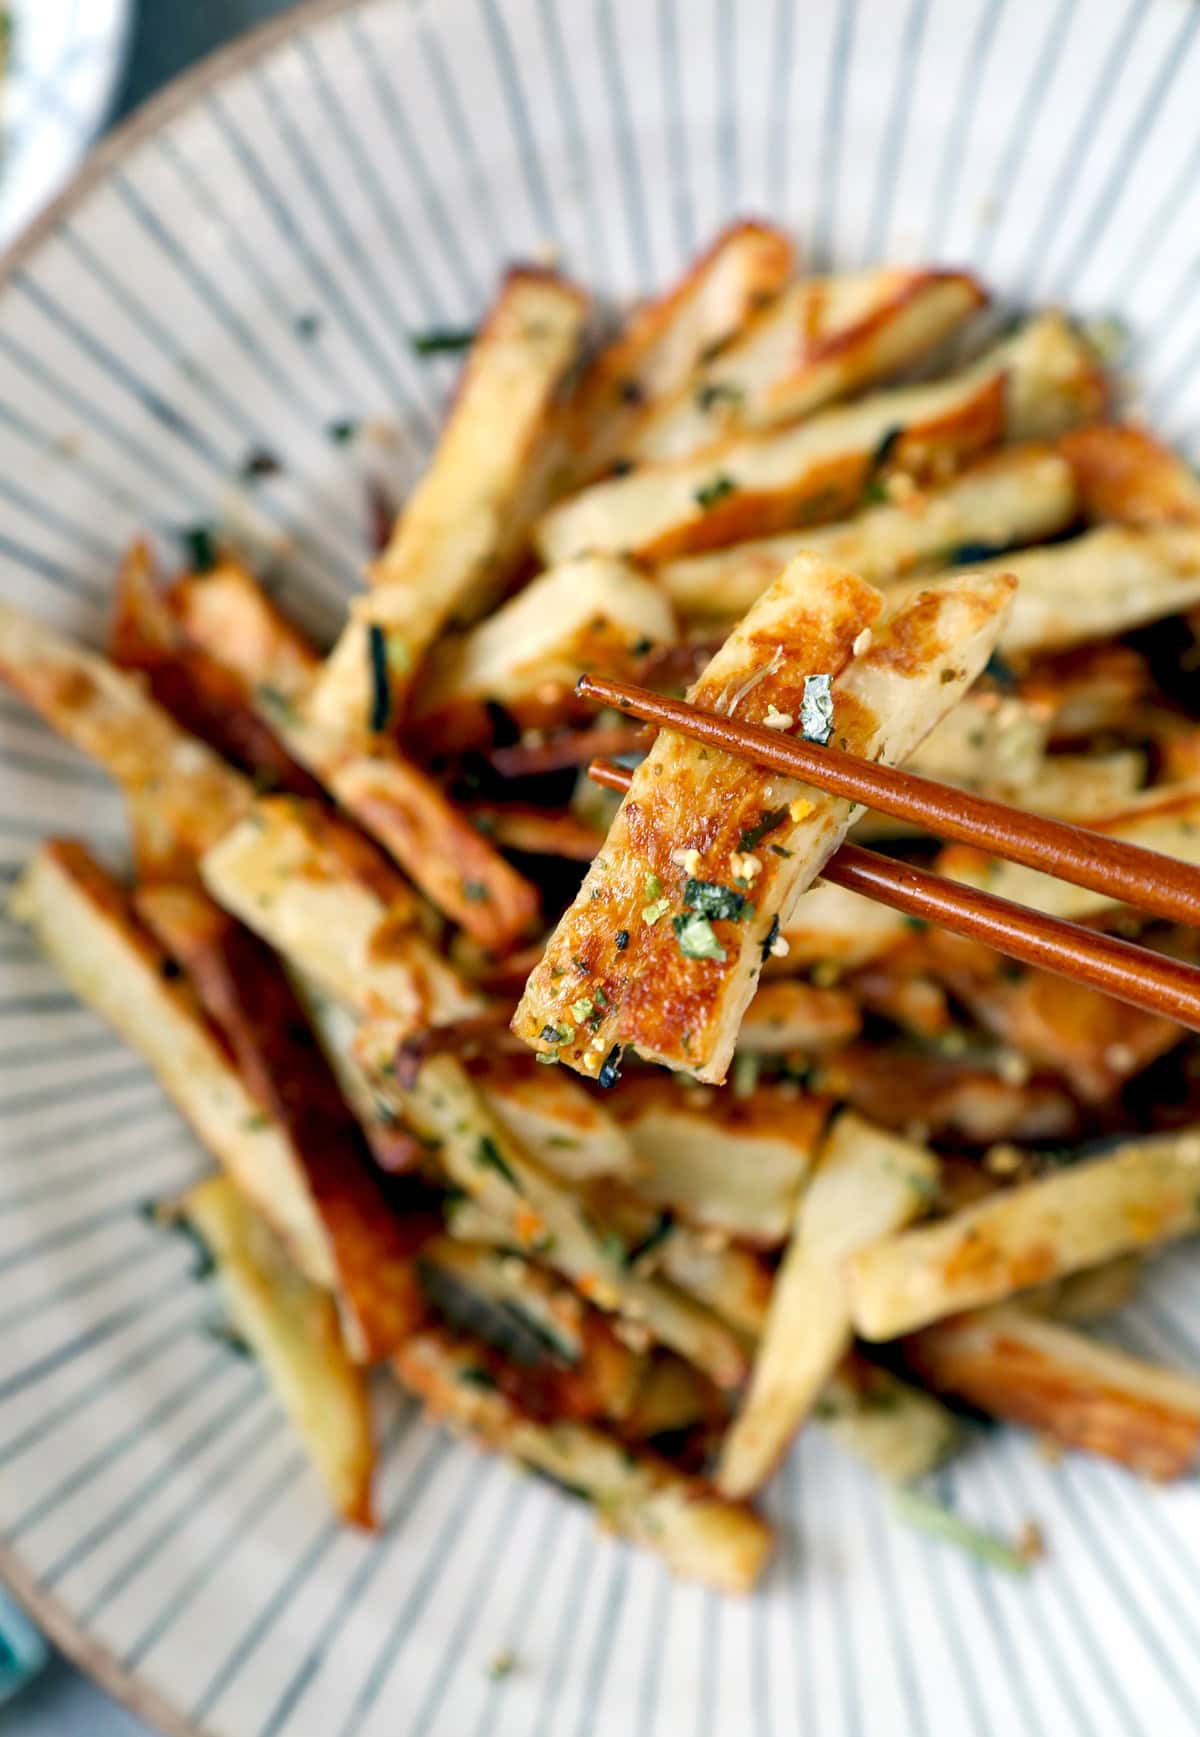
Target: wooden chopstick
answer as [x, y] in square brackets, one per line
[1118, 968]
[1128, 873]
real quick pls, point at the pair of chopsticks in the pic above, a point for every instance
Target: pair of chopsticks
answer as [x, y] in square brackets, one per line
[1127, 873]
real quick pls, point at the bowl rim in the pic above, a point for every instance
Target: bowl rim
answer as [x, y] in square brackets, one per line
[129, 1689]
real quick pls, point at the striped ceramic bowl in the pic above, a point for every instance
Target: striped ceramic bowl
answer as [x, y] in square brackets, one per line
[240, 271]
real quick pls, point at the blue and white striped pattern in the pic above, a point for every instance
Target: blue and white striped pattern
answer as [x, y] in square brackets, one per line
[243, 278]
[66, 58]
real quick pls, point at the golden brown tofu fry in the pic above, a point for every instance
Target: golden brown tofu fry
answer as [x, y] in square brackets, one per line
[1095, 1043]
[865, 1184]
[954, 1096]
[109, 716]
[1127, 476]
[703, 838]
[1032, 386]
[1098, 585]
[699, 1534]
[786, 1017]
[457, 868]
[203, 694]
[1067, 1386]
[481, 1157]
[728, 1164]
[343, 917]
[1166, 819]
[1143, 1194]
[465, 525]
[244, 990]
[82, 920]
[595, 613]
[664, 340]
[820, 341]
[1010, 497]
[291, 1326]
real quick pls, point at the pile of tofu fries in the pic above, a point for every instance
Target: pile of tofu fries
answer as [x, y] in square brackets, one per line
[629, 1146]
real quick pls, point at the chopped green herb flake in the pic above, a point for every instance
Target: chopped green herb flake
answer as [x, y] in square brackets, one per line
[712, 900]
[886, 447]
[780, 850]
[547, 1057]
[875, 493]
[946, 676]
[930, 1516]
[652, 913]
[581, 1009]
[442, 340]
[658, 1233]
[652, 887]
[816, 709]
[475, 892]
[967, 554]
[381, 687]
[610, 1070]
[711, 494]
[770, 938]
[916, 923]
[201, 544]
[696, 938]
[718, 392]
[472, 1375]
[256, 1123]
[556, 1034]
[274, 700]
[257, 464]
[1001, 671]
[753, 835]
[489, 1157]
[746, 1069]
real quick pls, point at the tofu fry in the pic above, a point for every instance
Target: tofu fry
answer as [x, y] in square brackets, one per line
[464, 526]
[109, 716]
[596, 613]
[409, 814]
[1144, 1194]
[821, 340]
[666, 339]
[721, 1163]
[244, 990]
[83, 922]
[702, 836]
[1126, 476]
[1097, 585]
[865, 1184]
[1166, 819]
[785, 1017]
[352, 929]
[1008, 498]
[1032, 386]
[291, 1326]
[1067, 1385]
[481, 1157]
[699, 1534]
[202, 693]
[901, 1432]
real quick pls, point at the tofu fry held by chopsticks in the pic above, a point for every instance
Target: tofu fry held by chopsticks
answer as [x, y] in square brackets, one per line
[708, 856]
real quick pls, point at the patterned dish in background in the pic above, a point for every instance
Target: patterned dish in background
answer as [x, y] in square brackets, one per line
[64, 59]
[242, 272]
